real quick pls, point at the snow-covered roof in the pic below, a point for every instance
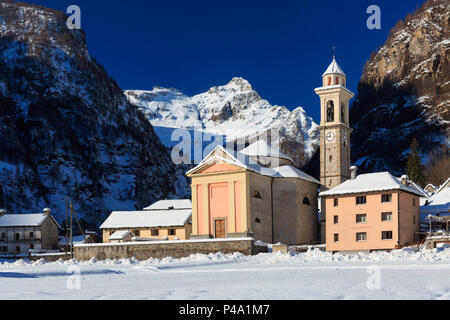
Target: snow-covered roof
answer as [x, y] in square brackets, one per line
[245, 162]
[262, 149]
[22, 220]
[437, 203]
[419, 188]
[120, 235]
[382, 181]
[147, 219]
[334, 68]
[171, 204]
[446, 184]
[430, 185]
[63, 241]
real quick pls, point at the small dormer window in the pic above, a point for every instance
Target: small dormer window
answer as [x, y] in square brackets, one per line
[171, 208]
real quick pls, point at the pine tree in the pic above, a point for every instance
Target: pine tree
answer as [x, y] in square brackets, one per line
[415, 169]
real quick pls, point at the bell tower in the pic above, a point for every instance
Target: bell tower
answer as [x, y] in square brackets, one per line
[334, 130]
[334, 127]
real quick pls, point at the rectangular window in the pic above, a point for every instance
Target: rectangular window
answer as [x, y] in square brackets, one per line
[31, 246]
[336, 237]
[3, 235]
[336, 219]
[414, 219]
[362, 236]
[361, 200]
[386, 216]
[414, 202]
[386, 198]
[172, 232]
[155, 233]
[386, 235]
[137, 233]
[17, 237]
[31, 235]
[361, 218]
[18, 250]
[336, 202]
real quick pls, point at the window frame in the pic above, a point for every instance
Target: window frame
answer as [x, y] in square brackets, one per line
[389, 195]
[155, 233]
[361, 215]
[390, 214]
[364, 198]
[361, 233]
[336, 237]
[388, 232]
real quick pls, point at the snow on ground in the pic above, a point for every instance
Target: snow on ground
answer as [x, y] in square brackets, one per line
[401, 274]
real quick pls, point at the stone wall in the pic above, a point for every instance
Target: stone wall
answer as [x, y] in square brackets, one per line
[163, 249]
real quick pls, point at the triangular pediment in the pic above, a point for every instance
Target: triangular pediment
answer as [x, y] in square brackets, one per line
[217, 161]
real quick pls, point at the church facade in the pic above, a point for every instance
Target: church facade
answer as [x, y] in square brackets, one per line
[242, 194]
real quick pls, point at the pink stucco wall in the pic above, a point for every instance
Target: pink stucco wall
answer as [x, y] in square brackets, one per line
[347, 227]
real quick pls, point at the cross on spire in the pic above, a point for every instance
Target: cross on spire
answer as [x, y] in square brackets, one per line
[334, 52]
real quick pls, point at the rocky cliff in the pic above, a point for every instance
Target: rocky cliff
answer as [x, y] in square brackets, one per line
[405, 92]
[66, 128]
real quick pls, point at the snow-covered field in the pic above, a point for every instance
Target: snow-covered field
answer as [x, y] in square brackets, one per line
[401, 274]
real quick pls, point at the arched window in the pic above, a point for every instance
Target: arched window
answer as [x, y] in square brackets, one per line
[330, 111]
[342, 112]
[306, 201]
[258, 220]
[337, 81]
[329, 81]
[257, 195]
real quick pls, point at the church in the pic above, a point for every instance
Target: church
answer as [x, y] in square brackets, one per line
[241, 194]
[256, 192]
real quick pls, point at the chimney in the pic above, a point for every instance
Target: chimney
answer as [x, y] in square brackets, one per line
[2, 212]
[354, 172]
[405, 180]
[47, 212]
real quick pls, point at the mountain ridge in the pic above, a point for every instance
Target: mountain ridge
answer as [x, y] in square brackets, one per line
[234, 110]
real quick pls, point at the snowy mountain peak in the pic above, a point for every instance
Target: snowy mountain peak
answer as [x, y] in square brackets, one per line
[234, 110]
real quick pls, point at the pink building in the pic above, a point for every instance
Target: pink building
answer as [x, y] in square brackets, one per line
[371, 212]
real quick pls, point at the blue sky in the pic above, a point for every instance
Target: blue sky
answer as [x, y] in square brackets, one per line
[281, 47]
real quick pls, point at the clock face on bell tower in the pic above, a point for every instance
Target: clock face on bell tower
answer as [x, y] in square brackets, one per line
[334, 127]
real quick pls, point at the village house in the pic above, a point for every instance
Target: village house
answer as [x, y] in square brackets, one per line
[430, 188]
[164, 220]
[22, 233]
[256, 192]
[370, 212]
[438, 204]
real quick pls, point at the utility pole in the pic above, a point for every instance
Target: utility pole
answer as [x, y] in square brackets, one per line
[71, 230]
[66, 233]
